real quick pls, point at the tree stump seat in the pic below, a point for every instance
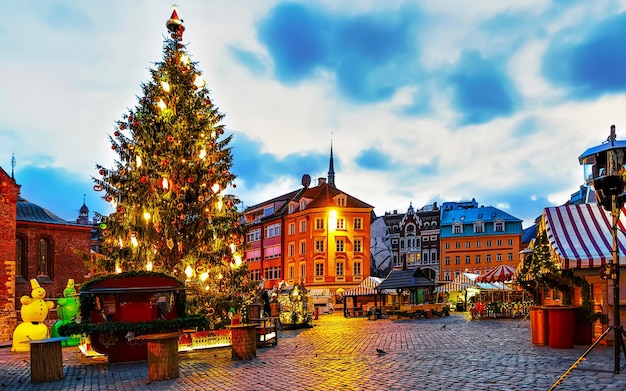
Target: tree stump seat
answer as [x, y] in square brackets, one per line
[162, 355]
[46, 359]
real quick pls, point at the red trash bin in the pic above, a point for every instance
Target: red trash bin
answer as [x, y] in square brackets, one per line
[539, 325]
[561, 325]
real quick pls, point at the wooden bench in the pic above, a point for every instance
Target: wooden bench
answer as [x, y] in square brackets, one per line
[46, 359]
[266, 331]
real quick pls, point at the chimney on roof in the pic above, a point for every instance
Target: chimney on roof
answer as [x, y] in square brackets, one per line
[321, 181]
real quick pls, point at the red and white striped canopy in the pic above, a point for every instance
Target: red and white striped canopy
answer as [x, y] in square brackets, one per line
[499, 274]
[581, 235]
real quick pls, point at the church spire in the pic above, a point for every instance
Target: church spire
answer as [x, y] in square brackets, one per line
[331, 167]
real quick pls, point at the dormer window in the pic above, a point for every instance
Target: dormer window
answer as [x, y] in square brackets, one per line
[479, 227]
[341, 200]
[457, 228]
[292, 208]
[498, 226]
[302, 204]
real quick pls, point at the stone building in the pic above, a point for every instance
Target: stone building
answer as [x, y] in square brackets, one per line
[35, 243]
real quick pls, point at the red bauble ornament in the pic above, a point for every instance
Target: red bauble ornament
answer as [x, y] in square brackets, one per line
[191, 179]
[208, 102]
[165, 162]
[170, 138]
[122, 126]
[116, 133]
[113, 147]
[234, 185]
[101, 171]
[221, 131]
[144, 179]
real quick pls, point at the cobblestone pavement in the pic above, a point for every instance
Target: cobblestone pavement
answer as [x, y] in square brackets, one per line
[341, 354]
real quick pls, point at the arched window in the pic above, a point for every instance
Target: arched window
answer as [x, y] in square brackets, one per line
[21, 258]
[45, 261]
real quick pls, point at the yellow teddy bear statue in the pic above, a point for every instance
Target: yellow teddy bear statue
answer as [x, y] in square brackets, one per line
[34, 312]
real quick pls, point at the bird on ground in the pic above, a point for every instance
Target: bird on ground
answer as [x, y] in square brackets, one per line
[443, 327]
[380, 351]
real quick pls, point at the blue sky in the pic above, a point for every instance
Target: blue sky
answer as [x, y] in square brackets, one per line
[424, 100]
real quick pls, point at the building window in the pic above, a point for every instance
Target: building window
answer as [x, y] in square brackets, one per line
[357, 268]
[446, 276]
[478, 243]
[499, 243]
[467, 260]
[457, 260]
[303, 270]
[498, 226]
[292, 208]
[447, 261]
[488, 243]
[272, 230]
[292, 228]
[292, 249]
[447, 246]
[341, 223]
[340, 245]
[319, 269]
[319, 223]
[303, 226]
[271, 252]
[339, 269]
[509, 256]
[477, 259]
[468, 244]
[292, 271]
[457, 245]
[302, 247]
[302, 205]
[498, 257]
[254, 235]
[457, 228]
[319, 245]
[488, 258]
[358, 223]
[21, 258]
[268, 211]
[255, 275]
[424, 257]
[272, 273]
[479, 227]
[44, 257]
[509, 242]
[358, 245]
[433, 256]
[253, 255]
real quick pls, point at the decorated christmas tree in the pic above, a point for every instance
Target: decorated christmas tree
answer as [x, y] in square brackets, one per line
[171, 182]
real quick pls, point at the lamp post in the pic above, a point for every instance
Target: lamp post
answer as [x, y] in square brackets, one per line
[606, 163]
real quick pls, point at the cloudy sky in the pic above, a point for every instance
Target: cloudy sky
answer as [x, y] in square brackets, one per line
[423, 100]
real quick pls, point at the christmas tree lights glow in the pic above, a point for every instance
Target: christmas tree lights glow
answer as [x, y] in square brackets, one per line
[170, 181]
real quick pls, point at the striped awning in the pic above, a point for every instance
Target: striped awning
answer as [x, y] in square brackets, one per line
[581, 235]
[460, 283]
[366, 288]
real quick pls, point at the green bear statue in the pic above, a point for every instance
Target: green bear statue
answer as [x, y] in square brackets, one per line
[67, 311]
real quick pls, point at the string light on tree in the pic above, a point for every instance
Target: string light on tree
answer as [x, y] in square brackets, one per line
[169, 180]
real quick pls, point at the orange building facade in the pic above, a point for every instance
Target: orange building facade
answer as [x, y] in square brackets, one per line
[477, 239]
[319, 236]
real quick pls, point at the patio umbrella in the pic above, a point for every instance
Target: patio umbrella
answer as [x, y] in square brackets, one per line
[499, 274]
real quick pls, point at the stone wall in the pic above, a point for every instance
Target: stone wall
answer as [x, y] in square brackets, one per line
[9, 192]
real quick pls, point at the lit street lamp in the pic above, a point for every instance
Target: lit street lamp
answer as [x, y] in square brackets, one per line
[605, 169]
